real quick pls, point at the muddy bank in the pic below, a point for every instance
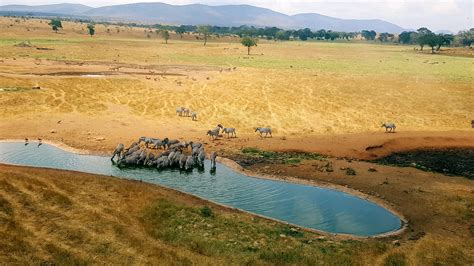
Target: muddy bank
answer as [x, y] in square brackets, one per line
[452, 161]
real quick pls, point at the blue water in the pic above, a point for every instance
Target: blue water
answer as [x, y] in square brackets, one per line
[308, 206]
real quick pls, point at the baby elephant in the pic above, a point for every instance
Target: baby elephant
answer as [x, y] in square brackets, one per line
[390, 126]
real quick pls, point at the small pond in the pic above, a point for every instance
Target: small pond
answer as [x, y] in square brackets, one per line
[307, 206]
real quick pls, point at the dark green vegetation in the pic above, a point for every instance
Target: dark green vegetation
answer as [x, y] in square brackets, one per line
[56, 24]
[91, 29]
[424, 36]
[166, 35]
[248, 42]
[450, 161]
[16, 89]
[253, 155]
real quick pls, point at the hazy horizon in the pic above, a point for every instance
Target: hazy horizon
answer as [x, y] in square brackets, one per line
[452, 15]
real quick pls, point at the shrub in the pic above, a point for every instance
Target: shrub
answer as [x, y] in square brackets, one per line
[206, 212]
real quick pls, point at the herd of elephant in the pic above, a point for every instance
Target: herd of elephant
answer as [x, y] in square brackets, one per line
[174, 154]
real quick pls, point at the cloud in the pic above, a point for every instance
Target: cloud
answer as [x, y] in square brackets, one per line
[453, 15]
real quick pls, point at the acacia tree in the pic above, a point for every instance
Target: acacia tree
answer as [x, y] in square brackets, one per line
[443, 39]
[180, 30]
[369, 35]
[280, 35]
[55, 24]
[248, 42]
[91, 29]
[466, 38]
[406, 37]
[166, 35]
[205, 30]
[425, 36]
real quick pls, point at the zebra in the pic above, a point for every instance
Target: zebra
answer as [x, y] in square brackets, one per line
[169, 142]
[201, 158]
[162, 162]
[213, 133]
[182, 160]
[189, 163]
[213, 159]
[229, 130]
[390, 126]
[157, 143]
[145, 140]
[195, 144]
[265, 130]
[142, 157]
[179, 111]
[186, 111]
[133, 148]
[118, 151]
[193, 115]
[149, 159]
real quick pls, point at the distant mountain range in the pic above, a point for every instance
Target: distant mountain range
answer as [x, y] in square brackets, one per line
[197, 14]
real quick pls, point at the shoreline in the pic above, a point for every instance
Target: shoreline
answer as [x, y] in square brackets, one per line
[236, 167]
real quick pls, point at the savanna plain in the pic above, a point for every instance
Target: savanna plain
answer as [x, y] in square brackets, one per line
[324, 98]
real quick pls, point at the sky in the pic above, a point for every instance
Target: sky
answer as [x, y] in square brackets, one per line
[453, 15]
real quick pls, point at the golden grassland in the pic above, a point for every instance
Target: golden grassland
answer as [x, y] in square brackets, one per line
[294, 87]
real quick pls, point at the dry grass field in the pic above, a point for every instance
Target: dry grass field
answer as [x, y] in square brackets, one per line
[52, 216]
[317, 96]
[294, 87]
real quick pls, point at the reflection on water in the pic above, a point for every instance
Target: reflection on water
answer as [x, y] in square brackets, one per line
[307, 206]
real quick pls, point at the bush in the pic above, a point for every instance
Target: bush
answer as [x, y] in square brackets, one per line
[350, 171]
[206, 212]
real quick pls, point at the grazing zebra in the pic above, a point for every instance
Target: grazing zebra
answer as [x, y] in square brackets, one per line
[231, 131]
[265, 130]
[213, 133]
[118, 151]
[390, 126]
[194, 115]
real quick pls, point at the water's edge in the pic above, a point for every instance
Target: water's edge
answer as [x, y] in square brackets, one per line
[236, 167]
